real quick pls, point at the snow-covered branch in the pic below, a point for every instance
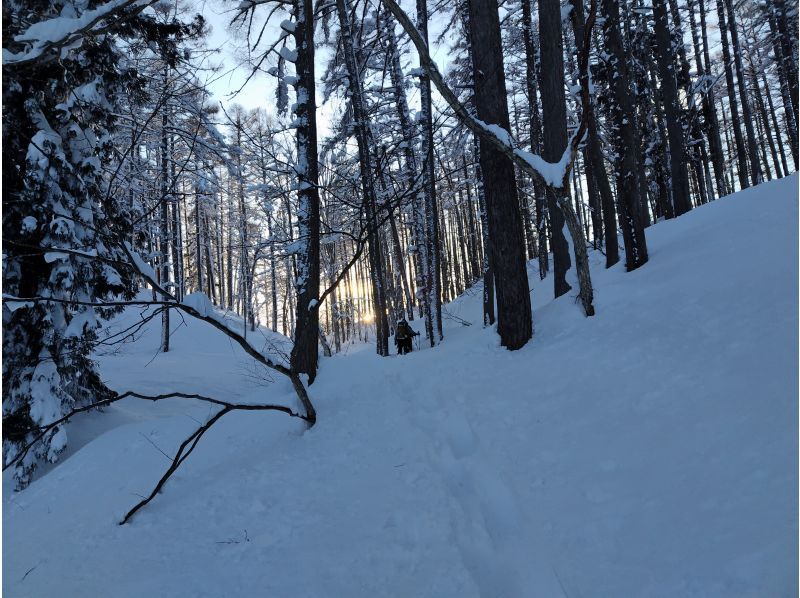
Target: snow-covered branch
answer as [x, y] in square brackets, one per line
[63, 33]
[554, 175]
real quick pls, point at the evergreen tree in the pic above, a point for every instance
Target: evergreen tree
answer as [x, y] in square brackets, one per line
[62, 229]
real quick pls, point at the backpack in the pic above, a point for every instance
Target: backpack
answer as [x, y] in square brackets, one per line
[403, 331]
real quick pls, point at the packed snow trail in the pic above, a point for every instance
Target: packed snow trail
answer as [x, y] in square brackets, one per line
[649, 451]
[491, 531]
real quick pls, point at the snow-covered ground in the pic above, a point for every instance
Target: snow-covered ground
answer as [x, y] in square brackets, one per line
[649, 451]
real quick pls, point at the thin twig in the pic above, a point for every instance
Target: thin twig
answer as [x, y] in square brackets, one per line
[28, 571]
[155, 446]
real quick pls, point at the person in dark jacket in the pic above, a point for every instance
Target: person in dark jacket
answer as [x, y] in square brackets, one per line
[403, 335]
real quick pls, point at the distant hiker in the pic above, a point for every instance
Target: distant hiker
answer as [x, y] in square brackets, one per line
[403, 335]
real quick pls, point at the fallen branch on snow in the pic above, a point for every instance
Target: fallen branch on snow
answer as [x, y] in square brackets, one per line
[186, 447]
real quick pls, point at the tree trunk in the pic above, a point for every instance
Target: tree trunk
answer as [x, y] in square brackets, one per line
[595, 165]
[535, 132]
[487, 264]
[488, 270]
[693, 137]
[365, 144]
[747, 114]
[741, 153]
[177, 247]
[417, 220]
[679, 188]
[708, 100]
[434, 266]
[514, 323]
[786, 25]
[305, 354]
[474, 252]
[164, 209]
[765, 124]
[244, 258]
[628, 200]
[198, 232]
[775, 127]
[554, 117]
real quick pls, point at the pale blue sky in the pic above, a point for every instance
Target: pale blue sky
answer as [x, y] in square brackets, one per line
[260, 91]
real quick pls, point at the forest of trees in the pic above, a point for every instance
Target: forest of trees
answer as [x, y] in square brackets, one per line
[558, 128]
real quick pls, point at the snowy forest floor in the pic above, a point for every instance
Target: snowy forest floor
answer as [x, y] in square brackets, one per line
[648, 451]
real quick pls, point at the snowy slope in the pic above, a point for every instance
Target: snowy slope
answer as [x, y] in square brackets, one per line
[649, 451]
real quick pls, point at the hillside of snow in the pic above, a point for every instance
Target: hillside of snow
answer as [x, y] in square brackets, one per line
[649, 451]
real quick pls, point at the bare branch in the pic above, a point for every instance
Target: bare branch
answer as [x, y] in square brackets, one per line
[180, 457]
[44, 430]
